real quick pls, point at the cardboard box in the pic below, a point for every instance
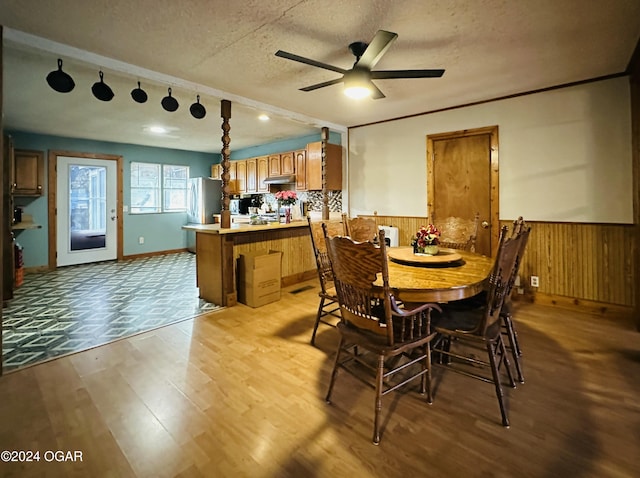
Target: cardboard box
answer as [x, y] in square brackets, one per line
[259, 277]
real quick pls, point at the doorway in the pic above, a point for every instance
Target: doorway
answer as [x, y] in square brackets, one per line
[462, 179]
[85, 195]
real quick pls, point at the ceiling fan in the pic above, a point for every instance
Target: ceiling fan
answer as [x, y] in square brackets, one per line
[357, 80]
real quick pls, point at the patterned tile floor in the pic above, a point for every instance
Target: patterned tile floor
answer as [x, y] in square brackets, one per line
[78, 307]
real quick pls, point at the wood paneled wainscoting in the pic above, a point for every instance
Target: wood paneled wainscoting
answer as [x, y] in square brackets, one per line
[583, 265]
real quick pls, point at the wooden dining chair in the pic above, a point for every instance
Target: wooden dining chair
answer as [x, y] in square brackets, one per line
[459, 233]
[461, 330]
[520, 233]
[397, 340]
[328, 305]
[360, 229]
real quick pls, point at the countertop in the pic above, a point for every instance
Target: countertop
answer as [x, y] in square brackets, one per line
[241, 228]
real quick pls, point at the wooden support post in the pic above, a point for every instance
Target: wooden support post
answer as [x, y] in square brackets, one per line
[325, 193]
[225, 215]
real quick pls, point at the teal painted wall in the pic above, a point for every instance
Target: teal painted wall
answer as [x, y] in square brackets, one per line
[161, 231]
[281, 146]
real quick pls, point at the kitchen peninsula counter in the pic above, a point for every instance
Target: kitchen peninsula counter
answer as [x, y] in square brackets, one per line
[217, 251]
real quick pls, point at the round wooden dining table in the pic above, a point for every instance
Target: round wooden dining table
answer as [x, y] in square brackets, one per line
[422, 280]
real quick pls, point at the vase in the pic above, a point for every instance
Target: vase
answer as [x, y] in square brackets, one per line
[428, 250]
[287, 214]
[431, 249]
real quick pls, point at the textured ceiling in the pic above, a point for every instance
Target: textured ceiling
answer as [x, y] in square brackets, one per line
[225, 49]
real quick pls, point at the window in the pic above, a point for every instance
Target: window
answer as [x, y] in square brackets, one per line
[158, 188]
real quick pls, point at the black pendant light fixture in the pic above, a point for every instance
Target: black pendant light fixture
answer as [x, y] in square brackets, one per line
[101, 90]
[169, 103]
[139, 95]
[59, 80]
[197, 110]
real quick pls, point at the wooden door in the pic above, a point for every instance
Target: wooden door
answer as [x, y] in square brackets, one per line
[462, 175]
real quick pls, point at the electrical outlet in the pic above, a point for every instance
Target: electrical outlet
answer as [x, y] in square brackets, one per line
[534, 281]
[141, 240]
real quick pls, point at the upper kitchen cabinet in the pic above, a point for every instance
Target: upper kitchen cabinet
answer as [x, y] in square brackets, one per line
[252, 184]
[241, 176]
[287, 165]
[281, 164]
[301, 169]
[262, 168]
[28, 172]
[333, 166]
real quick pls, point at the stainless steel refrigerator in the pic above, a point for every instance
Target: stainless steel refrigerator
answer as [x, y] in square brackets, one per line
[204, 199]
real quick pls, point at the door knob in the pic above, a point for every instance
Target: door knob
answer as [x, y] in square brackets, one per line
[484, 224]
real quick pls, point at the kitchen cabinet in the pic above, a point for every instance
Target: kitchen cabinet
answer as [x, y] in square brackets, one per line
[252, 176]
[274, 165]
[241, 176]
[287, 165]
[233, 185]
[28, 172]
[262, 173]
[301, 170]
[281, 164]
[333, 166]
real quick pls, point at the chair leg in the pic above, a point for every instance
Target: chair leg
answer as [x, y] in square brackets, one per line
[378, 402]
[513, 345]
[334, 372]
[426, 377]
[318, 317]
[505, 357]
[496, 380]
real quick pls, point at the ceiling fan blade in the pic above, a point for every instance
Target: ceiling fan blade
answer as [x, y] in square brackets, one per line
[322, 85]
[378, 47]
[376, 94]
[307, 61]
[384, 75]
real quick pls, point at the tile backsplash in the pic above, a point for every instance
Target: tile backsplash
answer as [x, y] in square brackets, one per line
[314, 198]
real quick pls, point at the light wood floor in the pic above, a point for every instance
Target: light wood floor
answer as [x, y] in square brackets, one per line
[241, 393]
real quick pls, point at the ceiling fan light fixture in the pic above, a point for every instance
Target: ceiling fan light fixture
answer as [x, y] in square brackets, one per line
[357, 84]
[357, 92]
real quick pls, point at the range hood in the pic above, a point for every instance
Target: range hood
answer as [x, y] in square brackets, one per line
[285, 179]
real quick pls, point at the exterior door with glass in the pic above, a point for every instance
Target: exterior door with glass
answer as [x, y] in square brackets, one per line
[86, 202]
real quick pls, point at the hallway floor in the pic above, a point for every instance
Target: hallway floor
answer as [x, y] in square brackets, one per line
[76, 308]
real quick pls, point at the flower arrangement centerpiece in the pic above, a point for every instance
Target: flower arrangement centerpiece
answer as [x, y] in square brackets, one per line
[288, 199]
[426, 240]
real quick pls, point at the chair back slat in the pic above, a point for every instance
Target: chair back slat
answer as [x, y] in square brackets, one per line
[459, 233]
[520, 232]
[323, 264]
[499, 280]
[356, 266]
[360, 229]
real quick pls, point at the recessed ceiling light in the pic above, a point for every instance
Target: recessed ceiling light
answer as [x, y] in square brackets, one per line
[263, 117]
[157, 129]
